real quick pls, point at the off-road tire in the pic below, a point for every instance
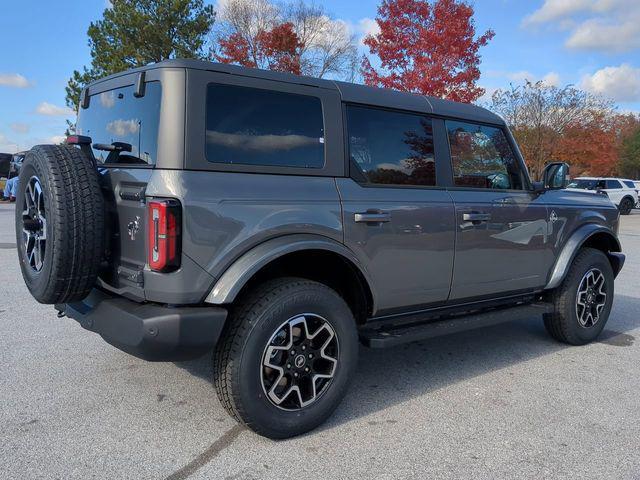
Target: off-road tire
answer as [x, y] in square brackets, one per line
[74, 208]
[626, 205]
[562, 323]
[238, 357]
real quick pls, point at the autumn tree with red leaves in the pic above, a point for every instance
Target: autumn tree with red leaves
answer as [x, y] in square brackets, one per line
[292, 36]
[427, 48]
[275, 49]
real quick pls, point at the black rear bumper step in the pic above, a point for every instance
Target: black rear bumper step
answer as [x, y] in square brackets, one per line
[390, 336]
[146, 330]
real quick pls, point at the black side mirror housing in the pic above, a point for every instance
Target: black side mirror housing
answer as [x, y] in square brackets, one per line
[555, 176]
[538, 187]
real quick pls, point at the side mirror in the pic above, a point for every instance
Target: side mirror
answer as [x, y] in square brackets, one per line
[555, 176]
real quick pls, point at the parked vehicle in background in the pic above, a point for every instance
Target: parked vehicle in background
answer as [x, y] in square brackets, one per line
[282, 220]
[622, 192]
[5, 167]
[16, 161]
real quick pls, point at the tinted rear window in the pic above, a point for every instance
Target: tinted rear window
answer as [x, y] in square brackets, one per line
[253, 126]
[117, 117]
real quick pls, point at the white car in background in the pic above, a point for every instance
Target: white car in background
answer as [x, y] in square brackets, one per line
[622, 192]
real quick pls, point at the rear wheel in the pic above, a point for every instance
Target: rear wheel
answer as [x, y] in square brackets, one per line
[626, 205]
[583, 301]
[286, 358]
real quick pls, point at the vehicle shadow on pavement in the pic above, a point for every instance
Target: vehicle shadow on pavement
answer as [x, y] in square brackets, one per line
[388, 377]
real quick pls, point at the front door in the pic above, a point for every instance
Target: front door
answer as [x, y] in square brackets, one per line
[502, 228]
[397, 219]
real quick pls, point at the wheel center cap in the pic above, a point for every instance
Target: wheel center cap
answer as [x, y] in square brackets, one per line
[299, 361]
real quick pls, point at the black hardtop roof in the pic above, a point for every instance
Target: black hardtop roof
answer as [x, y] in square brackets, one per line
[349, 92]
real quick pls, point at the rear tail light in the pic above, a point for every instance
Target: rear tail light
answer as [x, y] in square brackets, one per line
[78, 140]
[163, 233]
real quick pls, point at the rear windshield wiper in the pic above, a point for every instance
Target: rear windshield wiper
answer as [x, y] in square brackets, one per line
[113, 147]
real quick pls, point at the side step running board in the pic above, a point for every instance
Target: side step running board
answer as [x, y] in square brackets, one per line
[390, 336]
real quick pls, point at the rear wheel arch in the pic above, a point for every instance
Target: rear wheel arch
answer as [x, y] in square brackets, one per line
[304, 256]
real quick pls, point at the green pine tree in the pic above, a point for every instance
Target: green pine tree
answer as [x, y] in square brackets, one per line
[133, 33]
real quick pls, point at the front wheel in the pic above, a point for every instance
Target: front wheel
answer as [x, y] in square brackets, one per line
[286, 358]
[582, 303]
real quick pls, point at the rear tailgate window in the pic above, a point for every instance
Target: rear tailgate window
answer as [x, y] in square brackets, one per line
[117, 118]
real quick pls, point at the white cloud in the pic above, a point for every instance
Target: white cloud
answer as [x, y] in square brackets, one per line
[14, 80]
[46, 108]
[120, 127]
[621, 83]
[56, 139]
[19, 127]
[367, 26]
[552, 10]
[108, 99]
[552, 79]
[606, 35]
[603, 25]
[6, 145]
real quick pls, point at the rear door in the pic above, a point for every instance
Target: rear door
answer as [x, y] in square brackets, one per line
[614, 189]
[397, 218]
[502, 236]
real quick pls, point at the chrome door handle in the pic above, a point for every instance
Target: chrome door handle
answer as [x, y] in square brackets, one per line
[372, 217]
[476, 217]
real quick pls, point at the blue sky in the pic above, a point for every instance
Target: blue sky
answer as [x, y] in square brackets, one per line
[594, 44]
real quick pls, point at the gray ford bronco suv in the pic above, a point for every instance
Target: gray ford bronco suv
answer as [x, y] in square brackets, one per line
[280, 221]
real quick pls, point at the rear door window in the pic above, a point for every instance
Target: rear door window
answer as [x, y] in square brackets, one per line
[123, 128]
[391, 148]
[482, 157]
[613, 184]
[252, 126]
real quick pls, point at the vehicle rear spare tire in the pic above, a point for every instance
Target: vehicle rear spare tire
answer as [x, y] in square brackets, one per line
[59, 223]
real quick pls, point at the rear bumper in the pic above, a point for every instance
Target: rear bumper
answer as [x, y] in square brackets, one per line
[149, 331]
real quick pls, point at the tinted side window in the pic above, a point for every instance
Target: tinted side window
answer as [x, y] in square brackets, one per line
[629, 183]
[482, 157]
[391, 148]
[613, 184]
[125, 126]
[253, 126]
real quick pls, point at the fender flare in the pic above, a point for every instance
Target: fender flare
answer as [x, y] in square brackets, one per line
[574, 243]
[227, 287]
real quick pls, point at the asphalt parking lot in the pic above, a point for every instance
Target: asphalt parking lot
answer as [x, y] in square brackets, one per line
[502, 402]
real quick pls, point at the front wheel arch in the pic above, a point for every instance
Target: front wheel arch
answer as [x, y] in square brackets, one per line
[592, 236]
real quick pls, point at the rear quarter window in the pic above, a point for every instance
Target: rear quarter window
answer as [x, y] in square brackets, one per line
[118, 119]
[253, 126]
[629, 183]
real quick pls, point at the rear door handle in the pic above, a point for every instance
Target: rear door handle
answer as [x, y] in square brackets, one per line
[372, 217]
[476, 217]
